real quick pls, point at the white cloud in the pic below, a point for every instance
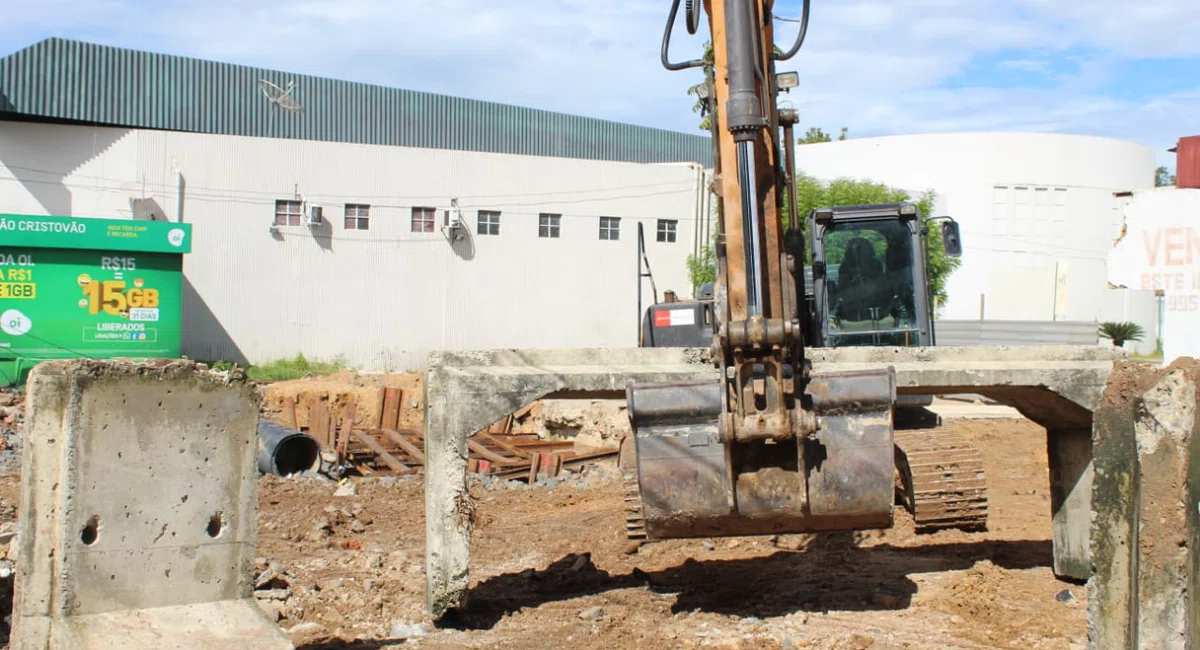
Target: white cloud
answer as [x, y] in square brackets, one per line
[1039, 66]
[876, 67]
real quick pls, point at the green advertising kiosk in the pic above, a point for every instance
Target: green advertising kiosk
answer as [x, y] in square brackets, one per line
[94, 288]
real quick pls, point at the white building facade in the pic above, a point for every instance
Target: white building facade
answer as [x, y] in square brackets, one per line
[547, 257]
[550, 204]
[1039, 214]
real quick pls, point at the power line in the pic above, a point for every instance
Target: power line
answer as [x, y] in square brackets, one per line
[234, 197]
[688, 185]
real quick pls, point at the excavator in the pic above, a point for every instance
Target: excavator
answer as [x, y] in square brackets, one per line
[770, 446]
[872, 287]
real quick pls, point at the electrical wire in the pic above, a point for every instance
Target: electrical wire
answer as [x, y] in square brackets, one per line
[189, 195]
[172, 186]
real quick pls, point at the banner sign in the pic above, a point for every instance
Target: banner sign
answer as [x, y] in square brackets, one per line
[95, 234]
[61, 298]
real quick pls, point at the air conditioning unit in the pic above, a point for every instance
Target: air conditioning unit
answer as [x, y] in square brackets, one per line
[315, 216]
[453, 227]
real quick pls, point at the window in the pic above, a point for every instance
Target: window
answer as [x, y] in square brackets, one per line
[288, 213]
[610, 228]
[357, 216]
[489, 222]
[548, 225]
[666, 230]
[423, 219]
[861, 258]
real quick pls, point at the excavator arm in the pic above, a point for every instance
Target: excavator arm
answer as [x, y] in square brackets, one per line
[768, 447]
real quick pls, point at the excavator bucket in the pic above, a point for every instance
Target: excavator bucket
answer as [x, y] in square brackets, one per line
[690, 480]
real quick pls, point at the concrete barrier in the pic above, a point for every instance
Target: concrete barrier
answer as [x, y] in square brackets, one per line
[1057, 387]
[1146, 525]
[138, 503]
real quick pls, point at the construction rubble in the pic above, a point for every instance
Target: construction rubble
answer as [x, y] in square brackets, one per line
[339, 556]
[364, 429]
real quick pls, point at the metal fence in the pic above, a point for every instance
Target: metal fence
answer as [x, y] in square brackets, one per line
[1013, 332]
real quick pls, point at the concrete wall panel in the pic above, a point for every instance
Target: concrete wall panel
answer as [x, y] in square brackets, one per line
[139, 482]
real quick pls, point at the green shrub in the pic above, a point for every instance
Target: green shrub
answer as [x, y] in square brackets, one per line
[295, 368]
[1122, 331]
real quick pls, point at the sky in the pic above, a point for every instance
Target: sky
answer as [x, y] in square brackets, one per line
[1094, 67]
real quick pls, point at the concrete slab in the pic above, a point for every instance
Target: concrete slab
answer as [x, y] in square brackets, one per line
[952, 410]
[137, 518]
[465, 391]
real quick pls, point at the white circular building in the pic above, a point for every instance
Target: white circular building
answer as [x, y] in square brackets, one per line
[1038, 214]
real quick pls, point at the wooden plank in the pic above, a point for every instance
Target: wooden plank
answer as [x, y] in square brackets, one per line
[392, 399]
[491, 455]
[318, 424]
[289, 413]
[535, 464]
[388, 459]
[382, 408]
[515, 451]
[344, 435]
[573, 461]
[403, 443]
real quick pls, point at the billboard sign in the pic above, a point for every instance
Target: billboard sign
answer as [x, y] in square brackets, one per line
[99, 288]
[1159, 250]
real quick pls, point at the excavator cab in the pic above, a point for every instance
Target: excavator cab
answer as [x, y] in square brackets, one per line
[869, 277]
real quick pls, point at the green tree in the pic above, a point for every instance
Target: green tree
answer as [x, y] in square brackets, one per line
[702, 268]
[812, 194]
[707, 58]
[817, 134]
[706, 122]
[1163, 178]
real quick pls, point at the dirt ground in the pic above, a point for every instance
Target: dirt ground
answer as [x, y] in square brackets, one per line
[342, 566]
[549, 569]
[343, 388]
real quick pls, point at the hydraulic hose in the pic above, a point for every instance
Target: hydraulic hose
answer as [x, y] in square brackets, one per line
[666, 43]
[799, 36]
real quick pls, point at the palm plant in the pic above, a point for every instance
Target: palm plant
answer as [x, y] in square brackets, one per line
[1120, 332]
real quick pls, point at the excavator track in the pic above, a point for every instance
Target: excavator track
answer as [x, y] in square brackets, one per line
[942, 480]
[635, 522]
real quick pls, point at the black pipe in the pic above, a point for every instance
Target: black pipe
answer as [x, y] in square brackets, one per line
[284, 450]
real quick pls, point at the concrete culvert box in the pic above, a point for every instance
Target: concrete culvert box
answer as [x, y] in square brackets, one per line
[283, 450]
[137, 515]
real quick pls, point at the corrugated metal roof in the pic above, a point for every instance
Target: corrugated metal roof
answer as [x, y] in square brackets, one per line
[71, 80]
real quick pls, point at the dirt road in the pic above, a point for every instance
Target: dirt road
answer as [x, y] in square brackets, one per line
[550, 570]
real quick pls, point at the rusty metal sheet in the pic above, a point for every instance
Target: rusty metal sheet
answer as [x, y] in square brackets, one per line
[390, 415]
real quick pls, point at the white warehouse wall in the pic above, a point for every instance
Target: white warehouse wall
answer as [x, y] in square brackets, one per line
[1036, 212]
[383, 297]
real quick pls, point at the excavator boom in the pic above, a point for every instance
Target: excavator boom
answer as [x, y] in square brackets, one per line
[768, 447]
